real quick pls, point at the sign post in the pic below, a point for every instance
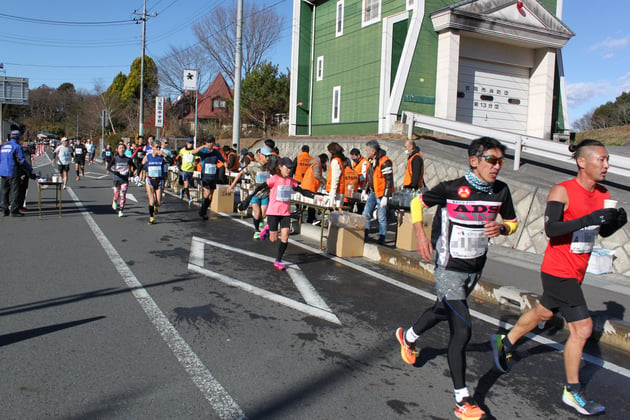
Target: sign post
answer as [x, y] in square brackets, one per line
[14, 91]
[190, 83]
[159, 114]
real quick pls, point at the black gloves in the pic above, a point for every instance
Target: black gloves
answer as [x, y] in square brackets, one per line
[601, 217]
[619, 219]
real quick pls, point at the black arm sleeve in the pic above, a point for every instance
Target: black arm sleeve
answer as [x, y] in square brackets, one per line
[554, 225]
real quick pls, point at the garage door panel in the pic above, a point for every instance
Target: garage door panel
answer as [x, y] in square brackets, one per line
[493, 95]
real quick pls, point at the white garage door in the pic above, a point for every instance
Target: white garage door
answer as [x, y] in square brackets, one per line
[493, 95]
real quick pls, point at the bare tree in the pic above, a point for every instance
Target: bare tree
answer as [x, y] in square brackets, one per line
[216, 34]
[584, 123]
[172, 65]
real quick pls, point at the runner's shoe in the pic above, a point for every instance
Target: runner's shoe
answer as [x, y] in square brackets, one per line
[155, 209]
[151, 220]
[256, 235]
[502, 357]
[181, 194]
[407, 352]
[190, 202]
[582, 405]
[114, 205]
[264, 232]
[121, 214]
[279, 265]
[469, 410]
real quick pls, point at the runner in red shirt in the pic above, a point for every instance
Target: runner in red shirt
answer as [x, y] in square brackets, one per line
[574, 216]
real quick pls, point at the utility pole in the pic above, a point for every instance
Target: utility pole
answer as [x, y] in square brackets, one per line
[236, 118]
[143, 18]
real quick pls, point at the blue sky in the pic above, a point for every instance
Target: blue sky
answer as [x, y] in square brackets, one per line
[34, 45]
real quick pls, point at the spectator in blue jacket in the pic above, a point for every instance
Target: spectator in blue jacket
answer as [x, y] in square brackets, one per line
[12, 163]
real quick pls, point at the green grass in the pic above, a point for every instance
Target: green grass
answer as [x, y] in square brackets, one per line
[611, 136]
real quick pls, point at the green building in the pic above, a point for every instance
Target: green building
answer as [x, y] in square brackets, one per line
[357, 65]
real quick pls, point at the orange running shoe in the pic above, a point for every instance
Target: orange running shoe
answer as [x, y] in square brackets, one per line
[469, 410]
[407, 352]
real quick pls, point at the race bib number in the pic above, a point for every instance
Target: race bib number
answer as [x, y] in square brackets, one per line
[467, 243]
[122, 168]
[78, 151]
[108, 153]
[262, 177]
[210, 169]
[284, 193]
[155, 172]
[583, 240]
[188, 158]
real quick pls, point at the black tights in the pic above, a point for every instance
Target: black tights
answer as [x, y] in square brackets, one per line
[459, 323]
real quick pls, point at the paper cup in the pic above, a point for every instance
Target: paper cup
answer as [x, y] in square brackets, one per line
[610, 204]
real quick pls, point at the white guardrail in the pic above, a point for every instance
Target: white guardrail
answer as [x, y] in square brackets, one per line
[519, 143]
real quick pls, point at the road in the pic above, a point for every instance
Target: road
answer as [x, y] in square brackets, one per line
[105, 317]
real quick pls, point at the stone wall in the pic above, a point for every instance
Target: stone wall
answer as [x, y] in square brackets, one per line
[529, 200]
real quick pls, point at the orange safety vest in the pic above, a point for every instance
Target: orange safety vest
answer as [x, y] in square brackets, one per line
[220, 163]
[350, 179]
[237, 165]
[408, 173]
[309, 182]
[378, 179]
[303, 163]
[358, 168]
[341, 185]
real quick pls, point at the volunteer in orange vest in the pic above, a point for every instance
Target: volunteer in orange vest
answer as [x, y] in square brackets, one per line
[379, 188]
[414, 174]
[302, 162]
[232, 159]
[335, 181]
[351, 180]
[313, 178]
[360, 166]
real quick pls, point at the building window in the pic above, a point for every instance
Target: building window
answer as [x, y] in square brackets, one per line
[320, 68]
[218, 103]
[336, 104]
[339, 27]
[371, 11]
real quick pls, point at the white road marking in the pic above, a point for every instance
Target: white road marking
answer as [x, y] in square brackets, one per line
[95, 175]
[131, 197]
[483, 317]
[212, 390]
[315, 305]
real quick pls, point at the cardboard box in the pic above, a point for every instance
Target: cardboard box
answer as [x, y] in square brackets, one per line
[222, 201]
[601, 261]
[345, 242]
[406, 236]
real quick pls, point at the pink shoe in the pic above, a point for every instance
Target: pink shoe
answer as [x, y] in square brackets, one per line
[279, 265]
[264, 232]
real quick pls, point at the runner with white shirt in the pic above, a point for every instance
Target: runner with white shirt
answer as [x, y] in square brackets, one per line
[63, 155]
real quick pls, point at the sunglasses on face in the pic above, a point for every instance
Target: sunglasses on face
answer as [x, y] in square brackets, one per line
[492, 160]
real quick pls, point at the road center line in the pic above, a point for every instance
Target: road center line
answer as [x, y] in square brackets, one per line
[212, 390]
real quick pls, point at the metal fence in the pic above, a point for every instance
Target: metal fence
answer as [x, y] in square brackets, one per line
[519, 143]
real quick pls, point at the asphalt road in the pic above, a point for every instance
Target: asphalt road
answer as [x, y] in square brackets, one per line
[104, 317]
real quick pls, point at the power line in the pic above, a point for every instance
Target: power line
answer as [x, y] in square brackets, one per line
[66, 23]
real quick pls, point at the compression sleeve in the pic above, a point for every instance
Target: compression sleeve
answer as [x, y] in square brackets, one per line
[416, 210]
[554, 225]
